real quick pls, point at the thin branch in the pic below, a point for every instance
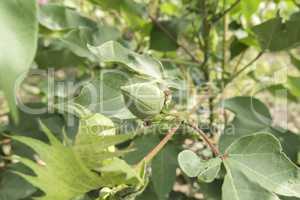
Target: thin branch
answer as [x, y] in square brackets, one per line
[161, 27]
[214, 149]
[246, 66]
[221, 15]
[161, 145]
[238, 63]
[177, 61]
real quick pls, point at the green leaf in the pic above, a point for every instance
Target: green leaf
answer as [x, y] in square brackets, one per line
[293, 84]
[288, 32]
[295, 61]
[280, 90]
[13, 187]
[58, 178]
[63, 166]
[130, 10]
[193, 166]
[190, 163]
[212, 191]
[103, 95]
[18, 33]
[249, 7]
[163, 165]
[237, 47]
[96, 139]
[141, 64]
[77, 40]
[161, 41]
[256, 164]
[144, 100]
[57, 18]
[56, 55]
[251, 116]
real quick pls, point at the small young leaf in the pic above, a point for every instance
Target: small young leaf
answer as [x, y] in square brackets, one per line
[144, 100]
[194, 166]
[210, 170]
[190, 163]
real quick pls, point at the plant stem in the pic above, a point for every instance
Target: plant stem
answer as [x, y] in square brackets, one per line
[221, 15]
[224, 61]
[162, 144]
[177, 61]
[171, 36]
[214, 149]
[246, 66]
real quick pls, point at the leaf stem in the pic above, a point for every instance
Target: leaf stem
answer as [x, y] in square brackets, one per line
[161, 145]
[214, 149]
[246, 66]
[225, 12]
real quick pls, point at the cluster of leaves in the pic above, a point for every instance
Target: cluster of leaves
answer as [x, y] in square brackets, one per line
[125, 99]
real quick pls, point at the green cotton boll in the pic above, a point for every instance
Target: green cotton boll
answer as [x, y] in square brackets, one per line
[144, 100]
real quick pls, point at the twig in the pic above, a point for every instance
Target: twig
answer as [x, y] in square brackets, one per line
[176, 61]
[221, 15]
[161, 27]
[214, 149]
[246, 66]
[161, 145]
[241, 57]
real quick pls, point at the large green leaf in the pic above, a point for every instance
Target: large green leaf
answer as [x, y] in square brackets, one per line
[56, 17]
[63, 166]
[269, 32]
[257, 168]
[251, 116]
[163, 165]
[141, 64]
[18, 33]
[59, 177]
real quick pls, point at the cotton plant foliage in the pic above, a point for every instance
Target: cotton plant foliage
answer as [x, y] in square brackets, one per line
[61, 166]
[256, 168]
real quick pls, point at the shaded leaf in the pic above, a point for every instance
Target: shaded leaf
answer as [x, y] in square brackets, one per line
[13, 187]
[163, 165]
[56, 17]
[161, 41]
[288, 32]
